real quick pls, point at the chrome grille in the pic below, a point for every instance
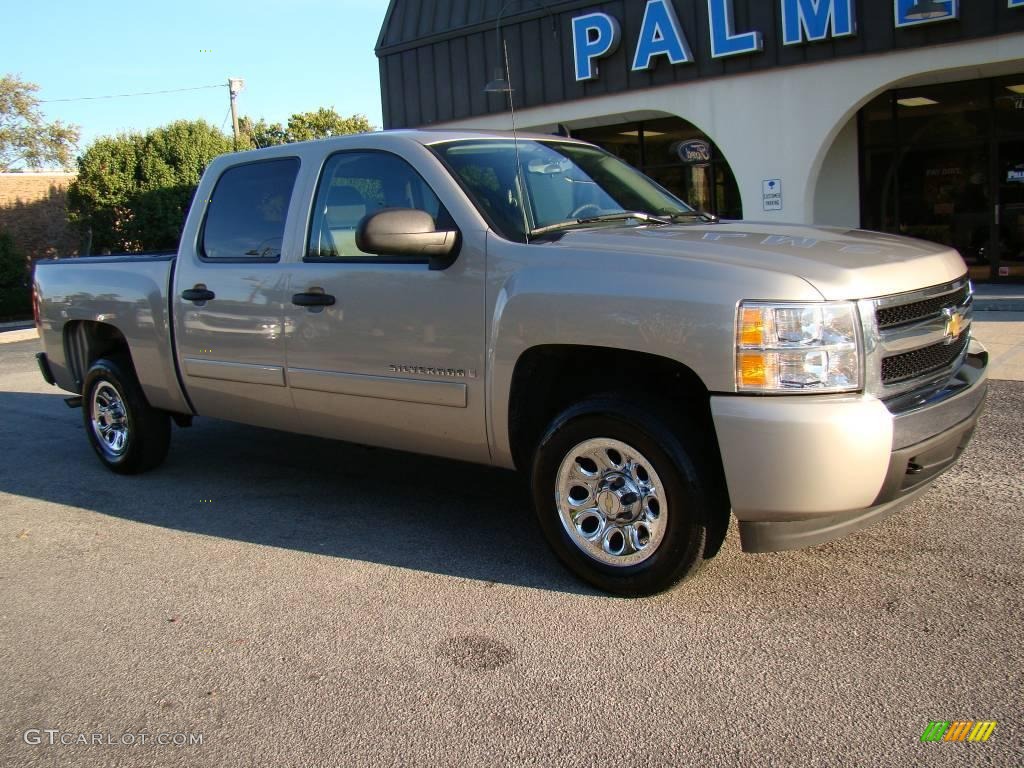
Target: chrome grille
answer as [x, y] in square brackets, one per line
[923, 361]
[891, 317]
[915, 339]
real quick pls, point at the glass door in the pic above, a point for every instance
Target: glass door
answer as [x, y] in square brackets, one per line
[945, 196]
[1010, 211]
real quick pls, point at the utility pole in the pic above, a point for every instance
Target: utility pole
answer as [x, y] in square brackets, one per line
[235, 86]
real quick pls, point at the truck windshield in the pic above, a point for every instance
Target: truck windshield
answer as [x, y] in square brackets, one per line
[559, 183]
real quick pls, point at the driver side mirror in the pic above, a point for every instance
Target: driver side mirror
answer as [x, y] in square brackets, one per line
[407, 232]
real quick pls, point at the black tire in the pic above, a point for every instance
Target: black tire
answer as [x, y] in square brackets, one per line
[146, 431]
[658, 440]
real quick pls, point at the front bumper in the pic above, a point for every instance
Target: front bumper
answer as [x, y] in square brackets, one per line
[802, 471]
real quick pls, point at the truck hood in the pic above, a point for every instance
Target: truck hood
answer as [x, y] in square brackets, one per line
[839, 263]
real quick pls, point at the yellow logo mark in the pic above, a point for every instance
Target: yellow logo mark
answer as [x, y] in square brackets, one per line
[955, 324]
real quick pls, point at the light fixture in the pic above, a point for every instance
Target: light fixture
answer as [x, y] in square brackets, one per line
[499, 84]
[927, 9]
[646, 133]
[1016, 89]
[916, 101]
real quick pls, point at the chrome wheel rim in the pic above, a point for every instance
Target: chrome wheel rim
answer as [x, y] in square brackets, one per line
[611, 502]
[109, 419]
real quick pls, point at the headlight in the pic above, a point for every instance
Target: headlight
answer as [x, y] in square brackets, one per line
[788, 348]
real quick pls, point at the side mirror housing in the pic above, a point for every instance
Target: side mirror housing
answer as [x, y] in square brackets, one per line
[407, 232]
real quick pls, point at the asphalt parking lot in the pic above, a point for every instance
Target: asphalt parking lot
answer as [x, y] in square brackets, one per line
[298, 602]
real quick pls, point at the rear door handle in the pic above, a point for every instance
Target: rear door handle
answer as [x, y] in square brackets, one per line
[198, 294]
[313, 300]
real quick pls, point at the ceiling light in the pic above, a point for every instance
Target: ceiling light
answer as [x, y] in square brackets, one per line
[646, 133]
[916, 101]
[1016, 89]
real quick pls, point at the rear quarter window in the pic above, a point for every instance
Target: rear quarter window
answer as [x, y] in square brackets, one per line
[245, 216]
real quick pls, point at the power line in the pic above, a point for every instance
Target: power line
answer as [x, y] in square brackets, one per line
[126, 95]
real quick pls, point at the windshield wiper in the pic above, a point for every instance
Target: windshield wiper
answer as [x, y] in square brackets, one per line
[647, 218]
[710, 218]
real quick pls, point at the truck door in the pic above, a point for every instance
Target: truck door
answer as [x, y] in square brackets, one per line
[383, 350]
[229, 296]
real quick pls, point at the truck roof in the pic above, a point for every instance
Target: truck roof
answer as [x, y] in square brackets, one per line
[424, 136]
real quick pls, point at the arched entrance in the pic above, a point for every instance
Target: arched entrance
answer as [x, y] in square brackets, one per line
[677, 155]
[946, 163]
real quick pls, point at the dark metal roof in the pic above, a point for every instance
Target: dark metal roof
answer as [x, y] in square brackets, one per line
[425, 21]
[435, 56]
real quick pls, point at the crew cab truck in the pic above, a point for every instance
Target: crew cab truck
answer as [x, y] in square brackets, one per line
[533, 302]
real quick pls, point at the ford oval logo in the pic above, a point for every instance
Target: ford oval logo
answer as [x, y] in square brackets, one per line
[694, 151]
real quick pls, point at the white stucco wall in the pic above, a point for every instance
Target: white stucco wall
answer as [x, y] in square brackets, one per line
[782, 123]
[837, 195]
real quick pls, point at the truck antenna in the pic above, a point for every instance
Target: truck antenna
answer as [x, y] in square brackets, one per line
[520, 180]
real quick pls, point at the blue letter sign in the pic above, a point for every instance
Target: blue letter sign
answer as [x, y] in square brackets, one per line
[811, 20]
[593, 36]
[947, 10]
[723, 41]
[661, 35]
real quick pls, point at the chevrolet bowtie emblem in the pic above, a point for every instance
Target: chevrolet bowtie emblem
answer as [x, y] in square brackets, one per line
[955, 324]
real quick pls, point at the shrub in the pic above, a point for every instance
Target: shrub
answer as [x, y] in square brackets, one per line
[15, 291]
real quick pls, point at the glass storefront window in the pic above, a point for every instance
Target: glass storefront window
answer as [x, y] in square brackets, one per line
[660, 149]
[877, 125]
[947, 165]
[943, 113]
[944, 197]
[878, 191]
[1008, 101]
[1010, 164]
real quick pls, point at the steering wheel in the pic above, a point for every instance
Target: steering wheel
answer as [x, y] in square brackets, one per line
[590, 209]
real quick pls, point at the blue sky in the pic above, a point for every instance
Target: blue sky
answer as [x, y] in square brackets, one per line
[294, 55]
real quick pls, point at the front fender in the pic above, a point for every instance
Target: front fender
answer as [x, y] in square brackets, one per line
[681, 311]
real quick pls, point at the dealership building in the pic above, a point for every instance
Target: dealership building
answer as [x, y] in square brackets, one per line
[897, 115]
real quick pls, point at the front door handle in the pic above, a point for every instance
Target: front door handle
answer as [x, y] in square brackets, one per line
[313, 300]
[199, 293]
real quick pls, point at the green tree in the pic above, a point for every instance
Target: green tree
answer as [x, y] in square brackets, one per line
[15, 300]
[26, 138]
[133, 190]
[302, 126]
[256, 134]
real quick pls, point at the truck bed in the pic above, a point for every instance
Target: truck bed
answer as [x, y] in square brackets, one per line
[126, 291]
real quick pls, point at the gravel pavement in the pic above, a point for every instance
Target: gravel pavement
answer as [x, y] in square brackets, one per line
[297, 602]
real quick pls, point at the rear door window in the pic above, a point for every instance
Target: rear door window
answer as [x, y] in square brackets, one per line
[245, 217]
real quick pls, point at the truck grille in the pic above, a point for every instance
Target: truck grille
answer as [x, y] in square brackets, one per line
[892, 317]
[921, 335]
[920, 362]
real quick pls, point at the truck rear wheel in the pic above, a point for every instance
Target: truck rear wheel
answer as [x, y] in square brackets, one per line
[125, 431]
[620, 497]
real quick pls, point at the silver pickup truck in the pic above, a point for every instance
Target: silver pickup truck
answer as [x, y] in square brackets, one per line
[535, 303]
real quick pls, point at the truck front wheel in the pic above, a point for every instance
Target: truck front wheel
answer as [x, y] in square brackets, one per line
[125, 431]
[621, 497]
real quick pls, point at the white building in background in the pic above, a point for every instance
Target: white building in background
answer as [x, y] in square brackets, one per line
[898, 115]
